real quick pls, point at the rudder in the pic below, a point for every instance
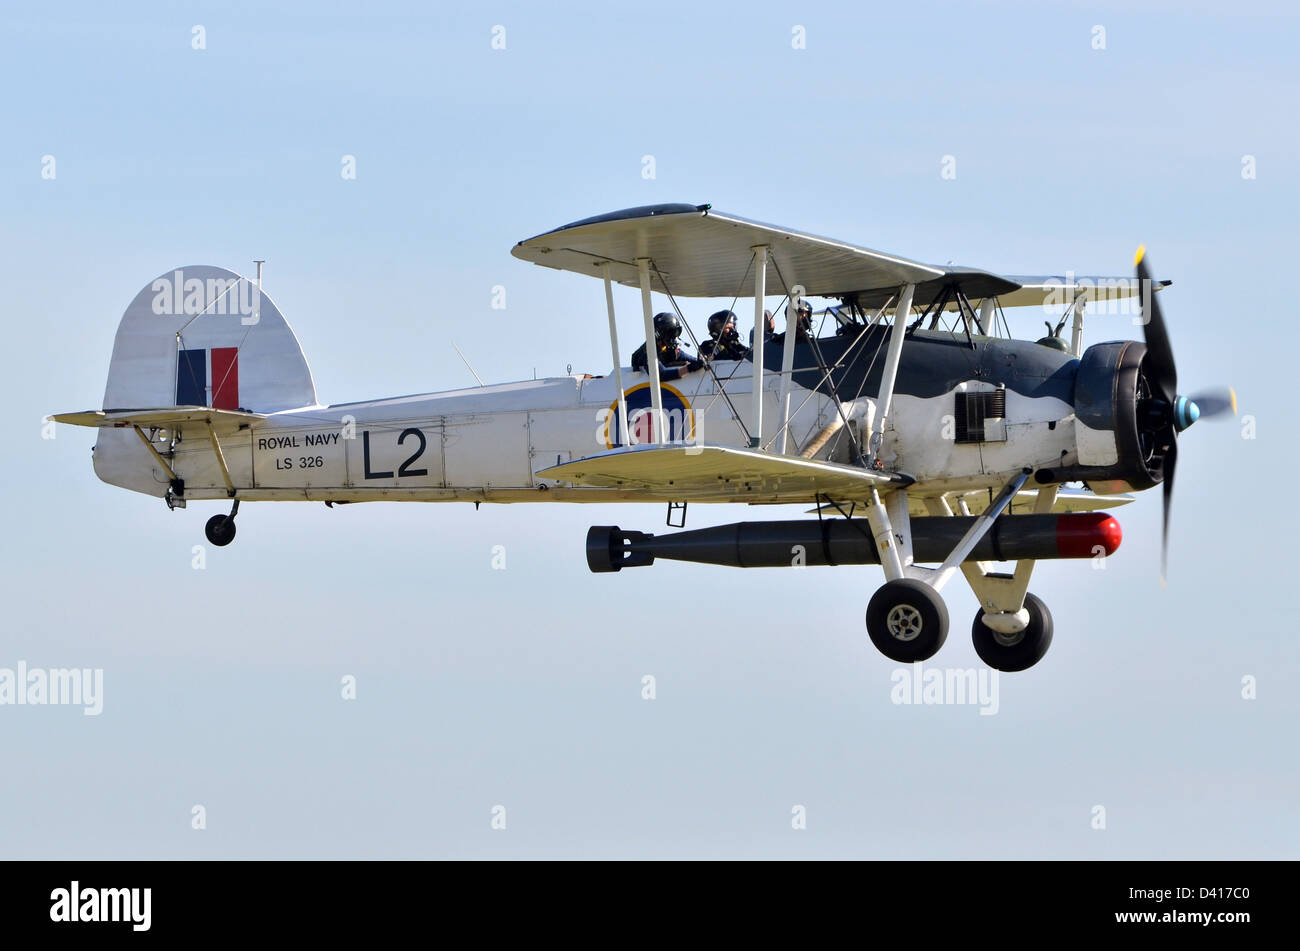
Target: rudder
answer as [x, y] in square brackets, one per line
[203, 335]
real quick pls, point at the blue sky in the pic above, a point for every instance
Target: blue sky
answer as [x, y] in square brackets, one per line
[479, 687]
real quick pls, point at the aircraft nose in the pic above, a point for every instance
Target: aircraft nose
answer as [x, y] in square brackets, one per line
[1185, 413]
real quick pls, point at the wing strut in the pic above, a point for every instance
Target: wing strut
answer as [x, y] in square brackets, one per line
[618, 360]
[708, 363]
[787, 364]
[760, 328]
[1076, 331]
[154, 452]
[886, 398]
[221, 461]
[651, 356]
[817, 354]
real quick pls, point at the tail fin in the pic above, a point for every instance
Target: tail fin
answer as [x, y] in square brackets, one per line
[205, 336]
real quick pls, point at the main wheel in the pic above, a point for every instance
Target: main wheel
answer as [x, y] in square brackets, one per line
[1020, 651]
[907, 620]
[220, 530]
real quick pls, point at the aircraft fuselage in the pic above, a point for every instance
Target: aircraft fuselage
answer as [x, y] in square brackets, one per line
[489, 443]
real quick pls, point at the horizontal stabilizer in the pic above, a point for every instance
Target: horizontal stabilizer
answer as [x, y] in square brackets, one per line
[222, 420]
[719, 473]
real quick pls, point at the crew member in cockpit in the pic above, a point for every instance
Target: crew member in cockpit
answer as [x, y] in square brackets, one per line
[671, 357]
[724, 342]
[802, 323]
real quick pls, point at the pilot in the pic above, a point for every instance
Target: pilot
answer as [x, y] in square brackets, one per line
[802, 323]
[724, 342]
[671, 357]
[769, 323]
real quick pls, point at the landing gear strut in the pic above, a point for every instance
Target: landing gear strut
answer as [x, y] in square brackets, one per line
[907, 619]
[220, 529]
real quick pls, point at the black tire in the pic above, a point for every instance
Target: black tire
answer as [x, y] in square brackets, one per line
[1020, 651]
[220, 530]
[907, 621]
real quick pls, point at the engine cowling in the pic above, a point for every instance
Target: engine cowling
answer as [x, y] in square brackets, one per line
[1115, 452]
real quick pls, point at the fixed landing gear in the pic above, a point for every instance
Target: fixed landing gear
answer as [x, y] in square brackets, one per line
[907, 620]
[1019, 650]
[220, 529]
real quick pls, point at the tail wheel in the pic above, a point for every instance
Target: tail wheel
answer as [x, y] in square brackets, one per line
[220, 530]
[1020, 651]
[907, 621]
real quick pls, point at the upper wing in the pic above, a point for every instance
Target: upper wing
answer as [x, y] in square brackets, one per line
[719, 473]
[703, 253]
[699, 252]
[1063, 289]
[221, 420]
[1019, 290]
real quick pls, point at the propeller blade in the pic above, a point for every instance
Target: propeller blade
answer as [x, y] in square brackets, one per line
[1160, 355]
[1216, 402]
[1171, 460]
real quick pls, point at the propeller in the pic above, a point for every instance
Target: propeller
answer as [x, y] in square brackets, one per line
[1216, 402]
[1164, 414]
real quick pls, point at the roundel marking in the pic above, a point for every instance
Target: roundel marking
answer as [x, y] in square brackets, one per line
[677, 409]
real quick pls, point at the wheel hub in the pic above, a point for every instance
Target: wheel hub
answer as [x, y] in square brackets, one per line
[904, 622]
[1008, 640]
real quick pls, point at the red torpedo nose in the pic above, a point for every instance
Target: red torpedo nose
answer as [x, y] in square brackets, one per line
[1079, 535]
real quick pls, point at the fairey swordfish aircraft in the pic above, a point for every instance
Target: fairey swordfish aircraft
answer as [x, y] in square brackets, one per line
[918, 431]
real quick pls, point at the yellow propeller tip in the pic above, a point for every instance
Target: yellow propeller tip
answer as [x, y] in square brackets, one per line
[1232, 394]
[1141, 253]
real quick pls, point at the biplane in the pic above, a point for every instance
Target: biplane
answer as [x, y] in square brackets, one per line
[926, 439]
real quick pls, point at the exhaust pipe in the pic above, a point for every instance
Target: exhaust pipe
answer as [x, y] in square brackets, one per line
[849, 542]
